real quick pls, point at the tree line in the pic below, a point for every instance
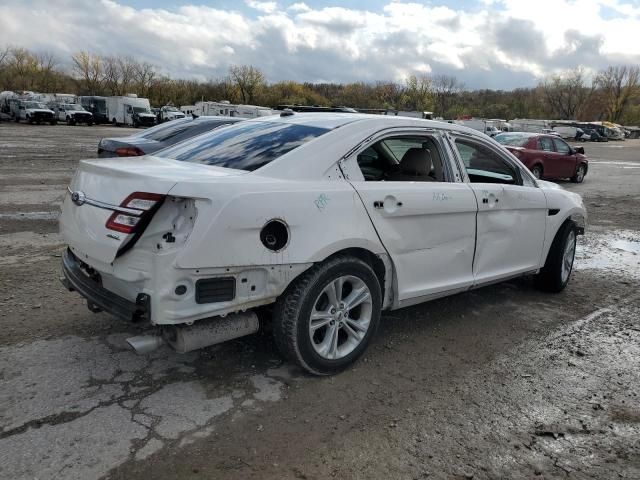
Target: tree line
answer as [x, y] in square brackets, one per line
[611, 94]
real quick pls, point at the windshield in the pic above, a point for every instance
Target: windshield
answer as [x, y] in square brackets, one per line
[512, 140]
[171, 109]
[245, 146]
[73, 107]
[34, 105]
[141, 110]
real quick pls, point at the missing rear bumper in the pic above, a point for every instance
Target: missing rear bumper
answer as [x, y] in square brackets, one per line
[78, 277]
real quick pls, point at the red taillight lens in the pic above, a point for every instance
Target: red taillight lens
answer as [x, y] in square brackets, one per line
[129, 152]
[517, 153]
[141, 206]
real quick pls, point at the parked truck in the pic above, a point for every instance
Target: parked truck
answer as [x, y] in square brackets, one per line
[72, 113]
[169, 112]
[131, 111]
[97, 106]
[31, 111]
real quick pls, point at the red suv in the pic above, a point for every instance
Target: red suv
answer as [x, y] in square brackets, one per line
[547, 156]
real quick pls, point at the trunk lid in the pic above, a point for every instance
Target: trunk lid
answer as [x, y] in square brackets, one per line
[105, 184]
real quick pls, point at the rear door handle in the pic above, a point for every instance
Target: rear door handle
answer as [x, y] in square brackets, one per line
[379, 204]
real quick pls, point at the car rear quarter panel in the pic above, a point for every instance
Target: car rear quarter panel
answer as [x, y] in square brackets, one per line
[322, 217]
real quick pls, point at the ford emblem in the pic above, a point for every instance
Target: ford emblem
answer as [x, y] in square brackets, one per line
[78, 197]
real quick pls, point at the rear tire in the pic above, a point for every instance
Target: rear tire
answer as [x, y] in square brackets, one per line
[556, 272]
[537, 171]
[326, 332]
[580, 173]
[114, 122]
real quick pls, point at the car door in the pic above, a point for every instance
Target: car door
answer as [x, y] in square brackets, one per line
[512, 211]
[549, 160]
[566, 160]
[426, 222]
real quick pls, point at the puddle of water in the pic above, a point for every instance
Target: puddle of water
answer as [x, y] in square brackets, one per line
[627, 246]
[616, 252]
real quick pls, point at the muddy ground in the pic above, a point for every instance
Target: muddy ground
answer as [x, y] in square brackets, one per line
[501, 382]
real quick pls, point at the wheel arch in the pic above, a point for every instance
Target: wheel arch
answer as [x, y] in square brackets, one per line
[380, 263]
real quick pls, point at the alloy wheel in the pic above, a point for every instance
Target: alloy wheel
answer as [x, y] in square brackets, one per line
[340, 317]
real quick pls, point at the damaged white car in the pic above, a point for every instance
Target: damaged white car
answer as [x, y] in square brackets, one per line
[327, 218]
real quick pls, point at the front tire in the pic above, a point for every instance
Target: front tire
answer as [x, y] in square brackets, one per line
[326, 318]
[580, 173]
[555, 274]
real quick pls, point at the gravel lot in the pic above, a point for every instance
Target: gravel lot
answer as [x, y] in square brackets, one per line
[504, 381]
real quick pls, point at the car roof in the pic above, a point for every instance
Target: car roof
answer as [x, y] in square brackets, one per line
[212, 119]
[332, 120]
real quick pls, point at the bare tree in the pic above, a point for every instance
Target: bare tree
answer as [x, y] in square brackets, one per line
[144, 75]
[90, 70]
[24, 67]
[566, 93]
[248, 79]
[418, 92]
[618, 86]
[445, 90]
[46, 66]
[4, 55]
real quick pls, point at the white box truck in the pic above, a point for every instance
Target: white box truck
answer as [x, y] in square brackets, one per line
[131, 111]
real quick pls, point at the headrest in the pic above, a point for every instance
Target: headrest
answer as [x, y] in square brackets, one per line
[416, 161]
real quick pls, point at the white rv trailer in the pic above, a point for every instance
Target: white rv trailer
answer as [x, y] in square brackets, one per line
[485, 126]
[227, 109]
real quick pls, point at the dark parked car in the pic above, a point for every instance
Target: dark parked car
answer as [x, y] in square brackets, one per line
[595, 135]
[547, 156]
[161, 136]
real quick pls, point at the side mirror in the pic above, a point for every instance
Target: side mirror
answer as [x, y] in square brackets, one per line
[579, 150]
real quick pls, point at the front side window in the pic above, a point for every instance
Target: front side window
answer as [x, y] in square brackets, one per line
[402, 159]
[561, 146]
[484, 165]
[245, 146]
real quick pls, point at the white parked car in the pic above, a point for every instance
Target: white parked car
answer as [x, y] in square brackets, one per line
[328, 218]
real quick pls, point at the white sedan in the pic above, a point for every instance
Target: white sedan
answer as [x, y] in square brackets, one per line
[321, 220]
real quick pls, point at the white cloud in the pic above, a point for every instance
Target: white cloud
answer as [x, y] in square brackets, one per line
[266, 7]
[501, 44]
[299, 7]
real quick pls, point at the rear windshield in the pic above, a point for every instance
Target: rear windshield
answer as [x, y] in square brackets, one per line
[160, 131]
[512, 140]
[245, 146]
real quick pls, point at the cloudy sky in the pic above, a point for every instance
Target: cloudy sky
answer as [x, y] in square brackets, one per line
[485, 43]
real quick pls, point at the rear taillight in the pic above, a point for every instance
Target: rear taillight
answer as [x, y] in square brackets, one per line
[129, 152]
[517, 153]
[140, 207]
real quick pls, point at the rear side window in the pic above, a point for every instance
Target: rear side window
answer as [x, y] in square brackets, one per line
[245, 146]
[544, 144]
